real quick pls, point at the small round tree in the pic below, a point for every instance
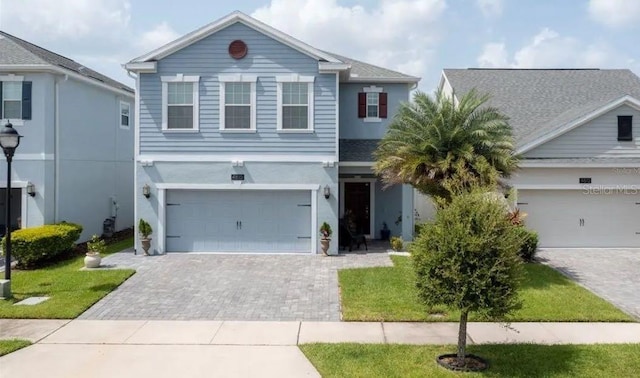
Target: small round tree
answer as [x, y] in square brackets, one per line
[467, 259]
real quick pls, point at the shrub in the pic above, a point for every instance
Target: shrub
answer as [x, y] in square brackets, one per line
[36, 245]
[144, 228]
[325, 230]
[396, 243]
[529, 243]
[467, 259]
[96, 245]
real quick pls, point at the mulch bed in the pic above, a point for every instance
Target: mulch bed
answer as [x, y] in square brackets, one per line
[471, 362]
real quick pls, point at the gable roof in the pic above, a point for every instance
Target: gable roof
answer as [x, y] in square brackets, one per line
[356, 71]
[18, 52]
[540, 102]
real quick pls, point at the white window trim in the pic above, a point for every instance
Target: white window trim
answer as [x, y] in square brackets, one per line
[3, 78]
[128, 104]
[238, 78]
[373, 89]
[295, 78]
[180, 78]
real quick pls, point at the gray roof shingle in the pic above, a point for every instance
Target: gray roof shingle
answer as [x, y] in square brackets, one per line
[539, 101]
[362, 71]
[360, 150]
[14, 50]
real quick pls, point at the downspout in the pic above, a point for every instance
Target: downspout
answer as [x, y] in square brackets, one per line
[136, 117]
[56, 147]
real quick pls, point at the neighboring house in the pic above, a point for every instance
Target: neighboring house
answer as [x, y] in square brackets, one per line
[75, 160]
[248, 139]
[578, 132]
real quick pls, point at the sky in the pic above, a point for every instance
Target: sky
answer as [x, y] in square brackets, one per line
[417, 37]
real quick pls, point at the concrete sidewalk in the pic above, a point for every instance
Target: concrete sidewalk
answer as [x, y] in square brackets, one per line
[131, 348]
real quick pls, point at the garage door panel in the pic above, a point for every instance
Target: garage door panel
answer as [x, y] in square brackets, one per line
[238, 221]
[575, 218]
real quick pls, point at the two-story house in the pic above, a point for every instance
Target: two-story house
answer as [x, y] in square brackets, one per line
[75, 160]
[578, 132]
[248, 139]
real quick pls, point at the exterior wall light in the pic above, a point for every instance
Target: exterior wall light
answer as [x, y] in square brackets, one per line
[327, 192]
[31, 189]
[146, 191]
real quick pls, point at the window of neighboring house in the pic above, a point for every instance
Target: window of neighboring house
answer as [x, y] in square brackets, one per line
[16, 99]
[372, 104]
[295, 103]
[180, 103]
[625, 129]
[238, 103]
[125, 110]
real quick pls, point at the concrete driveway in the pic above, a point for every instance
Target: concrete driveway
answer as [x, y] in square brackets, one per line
[611, 273]
[229, 287]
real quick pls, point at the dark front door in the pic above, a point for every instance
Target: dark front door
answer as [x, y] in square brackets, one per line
[357, 203]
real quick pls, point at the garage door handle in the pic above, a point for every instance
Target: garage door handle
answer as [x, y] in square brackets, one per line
[304, 237]
[172, 237]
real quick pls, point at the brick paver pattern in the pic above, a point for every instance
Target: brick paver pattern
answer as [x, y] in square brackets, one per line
[229, 287]
[611, 273]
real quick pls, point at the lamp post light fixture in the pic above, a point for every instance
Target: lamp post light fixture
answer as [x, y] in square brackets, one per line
[9, 141]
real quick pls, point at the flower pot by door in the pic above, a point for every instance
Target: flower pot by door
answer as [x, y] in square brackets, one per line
[146, 244]
[92, 260]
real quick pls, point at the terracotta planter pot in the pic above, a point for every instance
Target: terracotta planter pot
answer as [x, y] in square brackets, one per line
[92, 260]
[146, 244]
[324, 245]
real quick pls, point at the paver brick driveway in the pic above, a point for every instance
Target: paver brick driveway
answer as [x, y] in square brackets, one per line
[612, 273]
[229, 287]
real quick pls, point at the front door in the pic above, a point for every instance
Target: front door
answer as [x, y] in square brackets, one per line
[357, 202]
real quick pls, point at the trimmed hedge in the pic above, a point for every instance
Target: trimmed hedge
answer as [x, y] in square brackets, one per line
[36, 245]
[529, 243]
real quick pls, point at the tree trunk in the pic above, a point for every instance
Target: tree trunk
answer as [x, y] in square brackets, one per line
[462, 338]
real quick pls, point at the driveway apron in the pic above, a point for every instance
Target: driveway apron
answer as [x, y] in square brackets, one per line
[229, 287]
[611, 273]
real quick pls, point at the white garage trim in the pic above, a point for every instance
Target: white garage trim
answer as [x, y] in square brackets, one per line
[162, 204]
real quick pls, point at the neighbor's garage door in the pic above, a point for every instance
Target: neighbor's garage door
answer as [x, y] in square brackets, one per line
[238, 221]
[574, 218]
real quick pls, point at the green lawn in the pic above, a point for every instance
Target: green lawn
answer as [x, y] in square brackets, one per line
[72, 291]
[523, 360]
[8, 346]
[389, 294]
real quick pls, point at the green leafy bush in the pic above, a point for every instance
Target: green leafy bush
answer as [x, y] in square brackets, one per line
[529, 243]
[325, 230]
[396, 243]
[96, 245]
[36, 245]
[144, 228]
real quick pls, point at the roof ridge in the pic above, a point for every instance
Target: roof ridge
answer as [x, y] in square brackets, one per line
[13, 37]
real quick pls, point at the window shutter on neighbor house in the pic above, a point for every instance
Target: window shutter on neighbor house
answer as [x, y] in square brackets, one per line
[382, 103]
[26, 100]
[362, 105]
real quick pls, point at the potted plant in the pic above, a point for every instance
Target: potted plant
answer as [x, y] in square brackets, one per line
[95, 247]
[325, 231]
[385, 232]
[144, 229]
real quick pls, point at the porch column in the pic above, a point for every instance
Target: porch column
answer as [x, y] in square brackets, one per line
[407, 212]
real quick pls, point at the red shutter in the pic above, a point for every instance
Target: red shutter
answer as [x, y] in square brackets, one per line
[382, 102]
[362, 105]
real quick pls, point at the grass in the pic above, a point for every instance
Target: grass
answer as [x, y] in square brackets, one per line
[389, 294]
[521, 360]
[8, 346]
[71, 291]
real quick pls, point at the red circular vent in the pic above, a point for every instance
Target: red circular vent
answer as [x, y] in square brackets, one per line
[238, 49]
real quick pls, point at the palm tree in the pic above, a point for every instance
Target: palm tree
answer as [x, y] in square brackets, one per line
[439, 145]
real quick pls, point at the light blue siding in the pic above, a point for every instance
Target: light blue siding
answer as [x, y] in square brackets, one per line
[352, 127]
[597, 138]
[209, 58]
[388, 209]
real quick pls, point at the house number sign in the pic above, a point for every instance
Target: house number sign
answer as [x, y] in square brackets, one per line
[585, 180]
[237, 177]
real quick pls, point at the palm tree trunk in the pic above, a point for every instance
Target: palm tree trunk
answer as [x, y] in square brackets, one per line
[462, 338]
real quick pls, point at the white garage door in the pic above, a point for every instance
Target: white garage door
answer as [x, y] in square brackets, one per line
[238, 221]
[573, 218]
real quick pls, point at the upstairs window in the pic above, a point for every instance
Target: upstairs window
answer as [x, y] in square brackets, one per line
[125, 109]
[15, 94]
[180, 103]
[295, 103]
[625, 129]
[238, 103]
[372, 104]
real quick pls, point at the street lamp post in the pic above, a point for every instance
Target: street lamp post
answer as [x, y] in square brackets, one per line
[9, 141]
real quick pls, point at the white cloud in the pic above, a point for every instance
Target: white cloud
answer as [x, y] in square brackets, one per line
[490, 8]
[156, 37]
[615, 13]
[548, 49]
[398, 34]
